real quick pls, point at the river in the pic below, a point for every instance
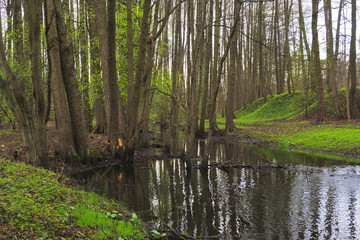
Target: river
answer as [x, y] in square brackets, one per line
[311, 198]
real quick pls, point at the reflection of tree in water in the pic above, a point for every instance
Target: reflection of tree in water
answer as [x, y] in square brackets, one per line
[279, 203]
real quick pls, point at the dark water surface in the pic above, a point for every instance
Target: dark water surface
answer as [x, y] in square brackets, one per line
[318, 199]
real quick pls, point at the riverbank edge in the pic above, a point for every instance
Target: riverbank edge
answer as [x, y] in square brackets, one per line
[265, 143]
[39, 204]
[262, 135]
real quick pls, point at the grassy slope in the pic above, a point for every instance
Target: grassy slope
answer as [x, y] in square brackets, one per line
[34, 205]
[268, 121]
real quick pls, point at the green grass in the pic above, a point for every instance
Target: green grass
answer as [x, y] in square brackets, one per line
[282, 106]
[327, 138]
[34, 205]
[5, 131]
[269, 121]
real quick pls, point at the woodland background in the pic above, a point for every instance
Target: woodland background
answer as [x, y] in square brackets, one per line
[117, 67]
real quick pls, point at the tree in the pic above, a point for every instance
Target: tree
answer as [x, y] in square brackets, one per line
[331, 63]
[316, 69]
[29, 114]
[175, 86]
[207, 63]
[288, 62]
[84, 62]
[218, 79]
[66, 147]
[230, 126]
[352, 63]
[62, 67]
[95, 73]
[214, 67]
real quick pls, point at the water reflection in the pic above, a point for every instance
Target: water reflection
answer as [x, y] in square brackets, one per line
[279, 203]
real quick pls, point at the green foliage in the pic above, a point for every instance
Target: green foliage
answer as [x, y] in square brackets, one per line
[282, 106]
[344, 139]
[157, 235]
[121, 37]
[6, 115]
[35, 205]
[252, 107]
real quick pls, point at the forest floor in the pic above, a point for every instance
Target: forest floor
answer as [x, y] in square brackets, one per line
[334, 137]
[36, 203]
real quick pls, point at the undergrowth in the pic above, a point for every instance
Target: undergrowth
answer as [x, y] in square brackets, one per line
[34, 205]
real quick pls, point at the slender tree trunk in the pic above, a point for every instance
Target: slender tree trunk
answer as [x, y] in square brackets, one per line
[84, 59]
[260, 37]
[316, 72]
[230, 126]
[102, 27]
[174, 111]
[216, 90]
[352, 63]
[214, 69]
[130, 55]
[19, 34]
[331, 63]
[95, 71]
[288, 60]
[207, 64]
[111, 83]
[276, 49]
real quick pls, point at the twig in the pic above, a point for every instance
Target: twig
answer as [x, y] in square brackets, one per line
[179, 235]
[81, 234]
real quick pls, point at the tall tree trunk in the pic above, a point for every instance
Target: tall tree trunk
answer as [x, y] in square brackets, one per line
[316, 69]
[276, 49]
[134, 103]
[288, 60]
[19, 34]
[111, 83]
[78, 123]
[230, 126]
[34, 23]
[218, 79]
[352, 63]
[176, 67]
[214, 69]
[66, 145]
[130, 55]
[31, 118]
[194, 78]
[95, 71]
[331, 63]
[102, 27]
[261, 39]
[84, 60]
[207, 64]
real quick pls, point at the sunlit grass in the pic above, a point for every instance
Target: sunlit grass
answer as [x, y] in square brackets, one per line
[328, 138]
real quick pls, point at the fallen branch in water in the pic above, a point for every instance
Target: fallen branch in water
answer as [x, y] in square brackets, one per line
[179, 235]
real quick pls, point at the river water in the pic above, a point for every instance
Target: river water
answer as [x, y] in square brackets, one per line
[313, 198]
